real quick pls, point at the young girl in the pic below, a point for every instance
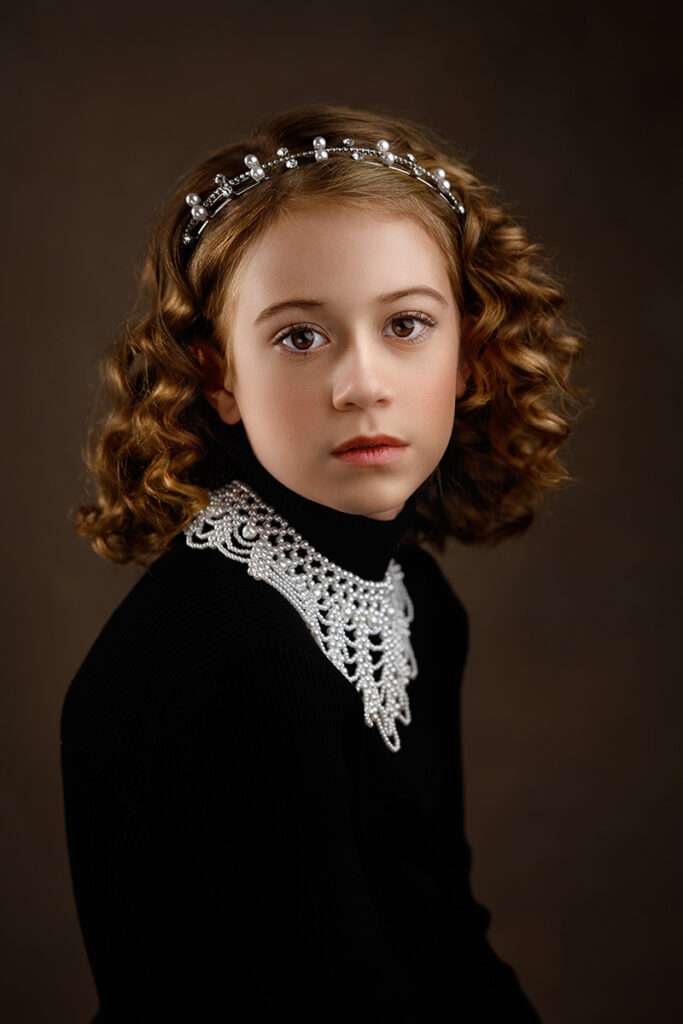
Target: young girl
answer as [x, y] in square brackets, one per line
[347, 350]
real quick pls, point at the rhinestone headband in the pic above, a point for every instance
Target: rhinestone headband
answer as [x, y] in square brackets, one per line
[229, 189]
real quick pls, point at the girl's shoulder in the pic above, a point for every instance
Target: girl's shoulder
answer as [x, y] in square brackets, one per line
[188, 625]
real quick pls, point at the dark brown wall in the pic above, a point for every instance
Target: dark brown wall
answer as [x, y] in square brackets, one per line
[571, 700]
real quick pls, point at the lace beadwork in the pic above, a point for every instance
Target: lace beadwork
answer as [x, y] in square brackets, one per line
[362, 626]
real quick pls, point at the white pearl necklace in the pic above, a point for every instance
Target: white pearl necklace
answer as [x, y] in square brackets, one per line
[332, 601]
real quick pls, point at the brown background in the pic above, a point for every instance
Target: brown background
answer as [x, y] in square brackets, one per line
[572, 695]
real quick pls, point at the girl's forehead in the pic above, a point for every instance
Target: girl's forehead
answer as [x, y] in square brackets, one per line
[333, 244]
[339, 255]
[325, 215]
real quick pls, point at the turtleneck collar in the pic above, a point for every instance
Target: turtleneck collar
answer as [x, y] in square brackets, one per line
[355, 542]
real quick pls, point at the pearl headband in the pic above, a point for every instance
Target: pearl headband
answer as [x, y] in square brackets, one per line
[204, 210]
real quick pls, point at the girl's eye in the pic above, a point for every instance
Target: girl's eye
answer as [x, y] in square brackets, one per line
[293, 332]
[404, 333]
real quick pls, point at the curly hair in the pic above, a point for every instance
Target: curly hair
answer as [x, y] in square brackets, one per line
[160, 446]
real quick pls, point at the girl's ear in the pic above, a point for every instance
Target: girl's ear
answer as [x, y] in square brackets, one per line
[215, 392]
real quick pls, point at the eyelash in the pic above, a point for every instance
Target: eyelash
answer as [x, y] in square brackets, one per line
[421, 317]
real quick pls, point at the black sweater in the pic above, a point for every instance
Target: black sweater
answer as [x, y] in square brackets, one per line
[241, 843]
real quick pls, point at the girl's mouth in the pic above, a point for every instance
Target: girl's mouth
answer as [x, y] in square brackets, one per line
[374, 455]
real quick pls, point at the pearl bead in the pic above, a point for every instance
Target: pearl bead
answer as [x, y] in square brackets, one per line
[319, 142]
[439, 172]
[200, 212]
[193, 199]
[383, 145]
[251, 160]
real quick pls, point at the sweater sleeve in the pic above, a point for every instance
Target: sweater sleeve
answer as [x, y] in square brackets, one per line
[213, 872]
[493, 988]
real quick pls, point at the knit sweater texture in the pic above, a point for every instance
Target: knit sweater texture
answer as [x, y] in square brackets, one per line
[241, 843]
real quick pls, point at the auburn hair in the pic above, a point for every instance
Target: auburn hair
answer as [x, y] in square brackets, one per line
[160, 446]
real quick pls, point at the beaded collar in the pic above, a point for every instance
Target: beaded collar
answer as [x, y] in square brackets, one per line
[361, 625]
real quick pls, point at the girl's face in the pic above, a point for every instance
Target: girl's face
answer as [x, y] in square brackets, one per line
[323, 351]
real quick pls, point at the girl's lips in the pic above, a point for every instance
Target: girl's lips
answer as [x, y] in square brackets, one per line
[375, 456]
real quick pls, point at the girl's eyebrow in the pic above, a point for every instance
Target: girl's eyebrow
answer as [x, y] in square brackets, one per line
[277, 307]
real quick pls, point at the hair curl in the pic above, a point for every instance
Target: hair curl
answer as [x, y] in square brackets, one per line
[161, 446]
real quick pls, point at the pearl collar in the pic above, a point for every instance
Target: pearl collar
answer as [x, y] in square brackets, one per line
[361, 625]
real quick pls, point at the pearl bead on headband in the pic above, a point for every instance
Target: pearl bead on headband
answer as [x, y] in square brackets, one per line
[229, 189]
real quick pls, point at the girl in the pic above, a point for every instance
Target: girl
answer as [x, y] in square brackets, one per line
[347, 350]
